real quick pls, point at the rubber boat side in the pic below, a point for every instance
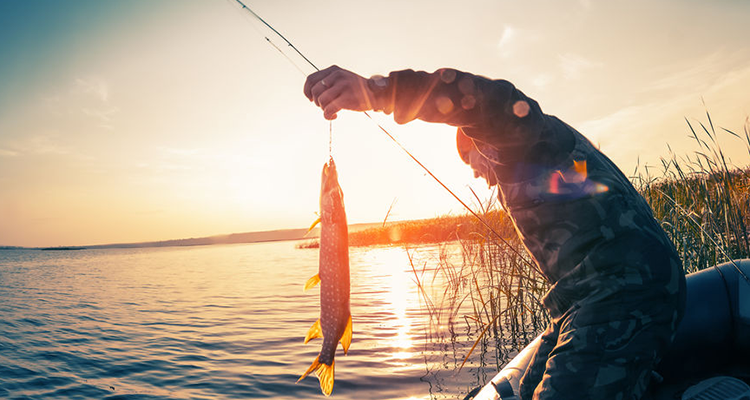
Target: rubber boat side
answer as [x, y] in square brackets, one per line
[709, 358]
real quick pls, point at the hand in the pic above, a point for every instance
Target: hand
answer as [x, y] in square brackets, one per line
[334, 89]
[470, 154]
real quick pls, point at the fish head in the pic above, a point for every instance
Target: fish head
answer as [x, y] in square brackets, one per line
[331, 196]
[329, 177]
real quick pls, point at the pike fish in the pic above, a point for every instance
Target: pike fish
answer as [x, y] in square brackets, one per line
[335, 323]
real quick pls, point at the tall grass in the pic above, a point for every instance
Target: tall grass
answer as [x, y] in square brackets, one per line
[482, 288]
[441, 229]
[701, 200]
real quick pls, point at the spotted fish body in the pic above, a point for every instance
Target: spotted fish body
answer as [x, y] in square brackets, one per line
[335, 323]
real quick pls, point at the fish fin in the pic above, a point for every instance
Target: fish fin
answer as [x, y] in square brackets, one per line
[346, 338]
[313, 367]
[324, 373]
[315, 331]
[312, 282]
[325, 376]
[315, 223]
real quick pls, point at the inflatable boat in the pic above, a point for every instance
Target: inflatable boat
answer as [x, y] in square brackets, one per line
[709, 358]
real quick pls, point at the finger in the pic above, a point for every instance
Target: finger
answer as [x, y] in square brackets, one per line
[318, 90]
[314, 87]
[316, 77]
[332, 109]
[312, 80]
[350, 99]
[465, 146]
[330, 95]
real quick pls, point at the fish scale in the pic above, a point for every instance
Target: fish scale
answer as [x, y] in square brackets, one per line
[335, 323]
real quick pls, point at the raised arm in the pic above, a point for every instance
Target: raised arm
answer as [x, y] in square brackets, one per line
[508, 127]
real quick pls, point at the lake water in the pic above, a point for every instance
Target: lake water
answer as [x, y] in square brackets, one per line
[218, 322]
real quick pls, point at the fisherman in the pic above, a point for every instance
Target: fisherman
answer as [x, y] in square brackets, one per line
[617, 286]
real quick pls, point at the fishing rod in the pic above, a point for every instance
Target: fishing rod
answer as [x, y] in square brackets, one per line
[244, 7]
[427, 170]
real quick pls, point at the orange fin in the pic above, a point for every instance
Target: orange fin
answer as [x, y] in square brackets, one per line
[346, 338]
[315, 331]
[325, 376]
[314, 367]
[316, 222]
[324, 373]
[312, 282]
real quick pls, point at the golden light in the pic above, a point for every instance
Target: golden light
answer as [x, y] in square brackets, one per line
[399, 296]
[577, 175]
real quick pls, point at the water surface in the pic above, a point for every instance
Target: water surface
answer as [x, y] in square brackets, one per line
[216, 322]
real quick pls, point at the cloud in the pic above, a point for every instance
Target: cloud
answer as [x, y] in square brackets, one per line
[542, 80]
[104, 115]
[505, 44]
[41, 144]
[701, 74]
[600, 128]
[574, 66]
[180, 151]
[84, 103]
[643, 130]
[92, 94]
[176, 159]
[7, 153]
[96, 87]
[46, 144]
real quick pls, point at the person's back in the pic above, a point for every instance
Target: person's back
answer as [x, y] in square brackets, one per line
[618, 288]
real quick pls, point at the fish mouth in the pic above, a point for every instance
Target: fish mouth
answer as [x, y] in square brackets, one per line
[329, 177]
[329, 167]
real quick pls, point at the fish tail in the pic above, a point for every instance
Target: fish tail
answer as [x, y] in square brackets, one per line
[315, 331]
[325, 376]
[313, 367]
[324, 373]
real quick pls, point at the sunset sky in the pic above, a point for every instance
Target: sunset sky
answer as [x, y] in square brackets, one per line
[150, 120]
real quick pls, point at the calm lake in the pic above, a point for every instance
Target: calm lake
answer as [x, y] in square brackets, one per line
[220, 322]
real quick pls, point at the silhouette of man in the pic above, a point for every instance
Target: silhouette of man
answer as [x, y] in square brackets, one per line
[617, 286]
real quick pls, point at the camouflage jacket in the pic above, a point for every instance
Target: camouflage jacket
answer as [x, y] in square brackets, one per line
[577, 214]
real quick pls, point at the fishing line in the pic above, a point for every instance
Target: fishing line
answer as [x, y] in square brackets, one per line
[285, 56]
[270, 42]
[330, 139]
[276, 32]
[330, 135]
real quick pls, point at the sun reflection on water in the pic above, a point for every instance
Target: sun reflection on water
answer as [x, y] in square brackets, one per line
[398, 297]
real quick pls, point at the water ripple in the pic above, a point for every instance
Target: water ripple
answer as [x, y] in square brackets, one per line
[221, 322]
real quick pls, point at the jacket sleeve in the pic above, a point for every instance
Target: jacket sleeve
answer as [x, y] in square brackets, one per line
[492, 112]
[589, 230]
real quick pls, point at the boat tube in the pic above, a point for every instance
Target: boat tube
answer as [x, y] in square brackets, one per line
[709, 358]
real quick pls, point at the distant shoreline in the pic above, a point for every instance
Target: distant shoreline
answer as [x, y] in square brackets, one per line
[234, 238]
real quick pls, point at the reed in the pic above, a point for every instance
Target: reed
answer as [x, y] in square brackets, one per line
[701, 200]
[440, 229]
[491, 289]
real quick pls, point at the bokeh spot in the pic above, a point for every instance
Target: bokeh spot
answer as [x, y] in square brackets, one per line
[444, 104]
[468, 102]
[521, 109]
[447, 75]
